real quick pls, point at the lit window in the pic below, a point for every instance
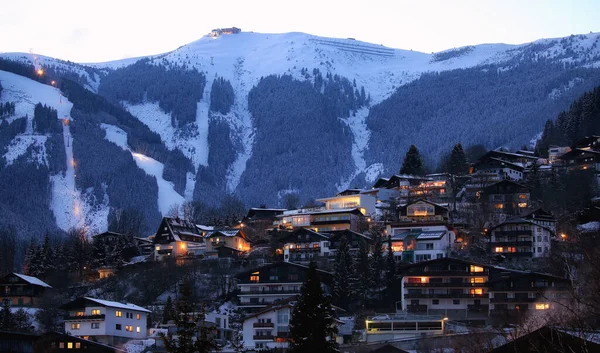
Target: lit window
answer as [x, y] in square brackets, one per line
[522, 204]
[119, 313]
[476, 291]
[157, 248]
[75, 326]
[499, 249]
[477, 280]
[96, 312]
[254, 277]
[423, 279]
[476, 268]
[499, 206]
[61, 345]
[316, 246]
[69, 345]
[137, 329]
[80, 313]
[542, 306]
[511, 249]
[77, 345]
[522, 196]
[138, 316]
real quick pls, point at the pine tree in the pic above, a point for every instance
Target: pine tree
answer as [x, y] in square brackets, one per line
[413, 162]
[363, 272]
[168, 311]
[457, 164]
[193, 335]
[377, 265]
[343, 276]
[390, 274]
[534, 181]
[30, 255]
[312, 325]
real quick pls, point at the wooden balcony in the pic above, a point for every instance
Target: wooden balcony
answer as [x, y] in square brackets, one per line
[444, 284]
[445, 295]
[513, 300]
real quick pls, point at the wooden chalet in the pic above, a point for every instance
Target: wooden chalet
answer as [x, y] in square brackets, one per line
[21, 290]
[553, 340]
[353, 239]
[226, 242]
[177, 237]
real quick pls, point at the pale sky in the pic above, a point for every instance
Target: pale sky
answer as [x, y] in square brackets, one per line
[95, 31]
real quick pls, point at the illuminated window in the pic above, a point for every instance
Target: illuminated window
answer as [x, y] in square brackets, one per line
[499, 206]
[119, 313]
[423, 279]
[96, 312]
[137, 329]
[75, 326]
[69, 345]
[316, 246]
[138, 316]
[129, 328]
[542, 306]
[511, 249]
[477, 280]
[522, 204]
[476, 291]
[254, 277]
[522, 196]
[474, 268]
[77, 345]
[157, 248]
[499, 249]
[80, 313]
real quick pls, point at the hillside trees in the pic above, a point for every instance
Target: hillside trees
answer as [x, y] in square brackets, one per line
[45, 119]
[221, 96]
[344, 279]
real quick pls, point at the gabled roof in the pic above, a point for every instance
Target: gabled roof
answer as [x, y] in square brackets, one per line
[444, 260]
[539, 213]
[491, 189]
[83, 302]
[519, 220]
[578, 153]
[433, 235]
[283, 303]
[178, 226]
[224, 233]
[32, 280]
[515, 275]
[278, 264]
[548, 339]
[263, 213]
[109, 233]
[335, 234]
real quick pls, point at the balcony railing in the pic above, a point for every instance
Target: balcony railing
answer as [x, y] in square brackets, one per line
[263, 337]
[416, 308]
[100, 317]
[445, 295]
[444, 284]
[267, 292]
[512, 300]
[512, 243]
[478, 308]
[513, 233]
[312, 249]
[263, 325]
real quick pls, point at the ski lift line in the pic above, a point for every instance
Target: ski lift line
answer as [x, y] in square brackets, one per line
[353, 47]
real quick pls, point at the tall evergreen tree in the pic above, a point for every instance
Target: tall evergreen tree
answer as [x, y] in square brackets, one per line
[377, 263]
[534, 181]
[363, 272]
[193, 336]
[168, 311]
[413, 162]
[343, 277]
[458, 164]
[391, 282]
[312, 325]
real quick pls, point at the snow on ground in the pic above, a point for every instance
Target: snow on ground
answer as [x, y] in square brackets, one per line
[167, 196]
[19, 145]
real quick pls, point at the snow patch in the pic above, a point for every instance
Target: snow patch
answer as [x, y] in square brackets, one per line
[373, 172]
[115, 135]
[19, 145]
[557, 92]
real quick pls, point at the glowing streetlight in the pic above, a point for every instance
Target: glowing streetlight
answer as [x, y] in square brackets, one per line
[40, 72]
[563, 236]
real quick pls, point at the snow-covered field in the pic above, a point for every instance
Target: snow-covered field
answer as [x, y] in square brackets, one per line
[167, 196]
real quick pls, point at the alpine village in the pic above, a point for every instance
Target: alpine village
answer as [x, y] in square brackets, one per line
[492, 251]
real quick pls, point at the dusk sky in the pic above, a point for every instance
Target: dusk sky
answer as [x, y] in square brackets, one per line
[95, 31]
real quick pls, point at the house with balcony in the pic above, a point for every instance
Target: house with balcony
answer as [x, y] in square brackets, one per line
[178, 237]
[226, 243]
[269, 327]
[259, 220]
[449, 287]
[523, 237]
[365, 200]
[402, 325]
[108, 322]
[514, 293]
[304, 245]
[421, 232]
[322, 220]
[22, 291]
[506, 199]
[265, 285]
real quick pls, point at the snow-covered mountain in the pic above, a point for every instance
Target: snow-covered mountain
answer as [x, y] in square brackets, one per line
[339, 113]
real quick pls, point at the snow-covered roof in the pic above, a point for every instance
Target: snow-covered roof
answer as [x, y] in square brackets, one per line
[33, 280]
[589, 227]
[431, 235]
[118, 305]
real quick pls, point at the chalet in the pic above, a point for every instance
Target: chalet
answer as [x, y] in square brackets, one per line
[421, 233]
[226, 243]
[259, 220]
[53, 342]
[449, 287]
[353, 238]
[410, 187]
[269, 327]
[304, 245]
[506, 199]
[219, 31]
[401, 325]
[105, 321]
[554, 152]
[144, 245]
[365, 200]
[522, 238]
[585, 157]
[512, 293]
[21, 290]
[268, 284]
[177, 237]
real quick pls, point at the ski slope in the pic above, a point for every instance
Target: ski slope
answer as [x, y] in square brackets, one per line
[167, 196]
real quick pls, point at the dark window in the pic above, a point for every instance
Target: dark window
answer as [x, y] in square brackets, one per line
[456, 301]
[118, 327]
[436, 301]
